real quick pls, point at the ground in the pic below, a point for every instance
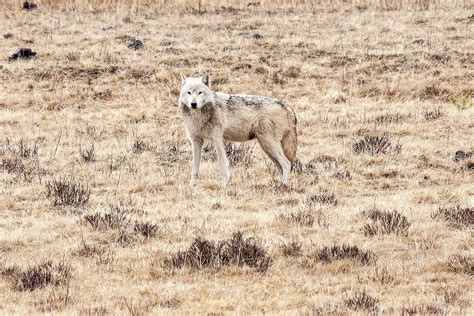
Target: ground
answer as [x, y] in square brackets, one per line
[95, 207]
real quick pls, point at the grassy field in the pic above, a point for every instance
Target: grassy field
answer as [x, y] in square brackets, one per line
[96, 214]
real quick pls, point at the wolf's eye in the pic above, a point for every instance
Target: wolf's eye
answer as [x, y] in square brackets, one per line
[189, 92]
[200, 92]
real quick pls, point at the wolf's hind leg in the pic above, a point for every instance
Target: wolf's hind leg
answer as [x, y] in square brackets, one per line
[275, 152]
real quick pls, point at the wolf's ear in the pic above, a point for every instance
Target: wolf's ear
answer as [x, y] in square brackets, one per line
[183, 79]
[205, 79]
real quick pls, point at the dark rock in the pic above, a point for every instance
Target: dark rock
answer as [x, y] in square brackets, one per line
[419, 41]
[461, 155]
[23, 53]
[135, 43]
[29, 5]
[257, 36]
[7, 35]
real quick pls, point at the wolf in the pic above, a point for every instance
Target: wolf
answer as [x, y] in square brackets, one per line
[217, 116]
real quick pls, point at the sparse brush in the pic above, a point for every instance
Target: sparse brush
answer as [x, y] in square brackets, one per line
[385, 222]
[12, 165]
[146, 229]
[457, 216]
[424, 309]
[432, 115]
[389, 118]
[115, 218]
[39, 276]
[125, 238]
[375, 145]
[461, 263]
[361, 301]
[303, 218]
[242, 251]
[434, 92]
[297, 166]
[333, 253]
[88, 155]
[238, 154]
[55, 299]
[236, 250]
[383, 275]
[323, 198]
[342, 175]
[26, 151]
[18, 168]
[278, 78]
[86, 250]
[292, 72]
[291, 249]
[139, 146]
[67, 192]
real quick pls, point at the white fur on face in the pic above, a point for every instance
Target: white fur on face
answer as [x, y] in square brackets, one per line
[194, 93]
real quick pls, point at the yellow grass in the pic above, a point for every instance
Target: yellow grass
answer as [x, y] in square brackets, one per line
[348, 70]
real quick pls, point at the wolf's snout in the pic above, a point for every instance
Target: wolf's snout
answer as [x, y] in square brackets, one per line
[194, 105]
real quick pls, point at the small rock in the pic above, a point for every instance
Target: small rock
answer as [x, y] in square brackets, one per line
[23, 53]
[461, 155]
[7, 35]
[257, 36]
[29, 5]
[135, 43]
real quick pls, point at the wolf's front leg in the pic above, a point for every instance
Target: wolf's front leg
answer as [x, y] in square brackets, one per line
[223, 161]
[197, 149]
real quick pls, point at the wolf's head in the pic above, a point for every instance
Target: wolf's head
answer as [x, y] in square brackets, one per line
[195, 92]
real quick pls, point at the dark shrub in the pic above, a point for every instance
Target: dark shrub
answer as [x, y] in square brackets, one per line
[385, 222]
[457, 216]
[236, 250]
[330, 254]
[67, 192]
[361, 301]
[39, 276]
[375, 145]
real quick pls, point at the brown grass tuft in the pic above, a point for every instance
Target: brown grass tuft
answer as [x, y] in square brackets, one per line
[291, 248]
[303, 218]
[385, 222]
[461, 263]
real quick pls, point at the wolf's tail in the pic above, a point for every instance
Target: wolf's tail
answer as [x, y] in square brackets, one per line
[290, 141]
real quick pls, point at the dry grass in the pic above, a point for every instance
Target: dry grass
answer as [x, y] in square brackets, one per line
[94, 162]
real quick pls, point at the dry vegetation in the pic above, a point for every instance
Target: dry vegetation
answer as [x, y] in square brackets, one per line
[96, 215]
